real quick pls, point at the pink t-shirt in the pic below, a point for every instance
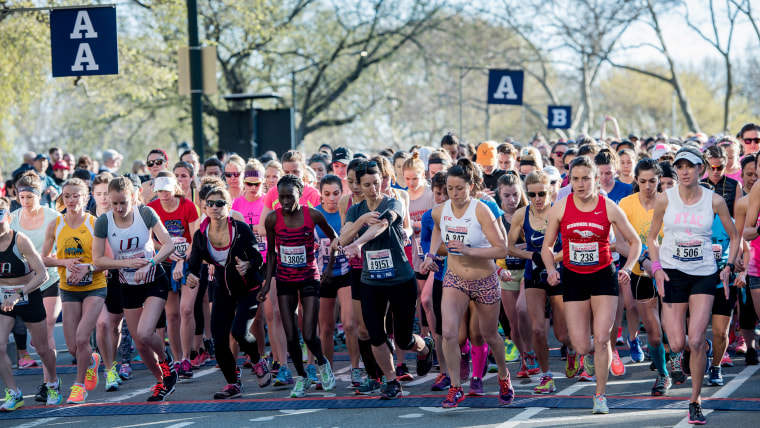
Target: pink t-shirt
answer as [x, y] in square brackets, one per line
[251, 212]
[310, 198]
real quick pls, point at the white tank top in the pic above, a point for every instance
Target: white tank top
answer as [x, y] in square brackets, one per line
[133, 242]
[466, 228]
[687, 235]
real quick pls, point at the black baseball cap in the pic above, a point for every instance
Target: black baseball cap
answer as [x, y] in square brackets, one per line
[342, 155]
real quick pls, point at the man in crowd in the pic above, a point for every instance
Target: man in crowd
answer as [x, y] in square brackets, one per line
[111, 161]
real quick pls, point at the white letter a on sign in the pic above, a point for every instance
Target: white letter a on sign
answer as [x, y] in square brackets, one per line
[505, 89]
[83, 23]
[84, 55]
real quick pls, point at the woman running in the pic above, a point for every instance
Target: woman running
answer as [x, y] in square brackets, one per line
[143, 285]
[589, 279]
[387, 278]
[290, 247]
[22, 275]
[32, 219]
[473, 239]
[180, 218]
[229, 245]
[82, 286]
[683, 266]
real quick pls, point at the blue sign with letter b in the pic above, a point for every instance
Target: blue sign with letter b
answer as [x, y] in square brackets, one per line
[505, 87]
[558, 117]
[83, 42]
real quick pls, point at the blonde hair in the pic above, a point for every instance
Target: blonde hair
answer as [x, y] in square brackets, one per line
[532, 154]
[237, 161]
[537, 177]
[414, 163]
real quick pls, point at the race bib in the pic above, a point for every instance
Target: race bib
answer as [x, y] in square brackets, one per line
[10, 290]
[514, 260]
[688, 251]
[180, 245]
[293, 256]
[459, 233]
[127, 275]
[87, 280]
[717, 251]
[380, 264]
[261, 244]
[584, 253]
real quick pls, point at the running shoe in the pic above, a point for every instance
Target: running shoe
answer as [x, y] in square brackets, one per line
[41, 395]
[300, 387]
[425, 364]
[112, 380]
[506, 392]
[304, 352]
[617, 368]
[275, 368]
[523, 372]
[208, 345]
[204, 357]
[741, 345]
[125, 372]
[695, 414]
[247, 364]
[674, 368]
[196, 360]
[185, 369]
[637, 354]
[511, 354]
[464, 366]
[716, 377]
[91, 377]
[12, 401]
[661, 386]
[229, 391]
[563, 353]
[25, 360]
[160, 392]
[261, 369]
[750, 358]
[284, 377]
[546, 386]
[453, 398]
[118, 378]
[600, 405]
[476, 387]
[78, 394]
[588, 374]
[391, 391]
[726, 361]
[491, 366]
[326, 376]
[54, 396]
[356, 378]
[620, 340]
[370, 386]
[532, 363]
[238, 377]
[442, 382]
[168, 373]
[572, 365]
[402, 373]
[686, 362]
[311, 373]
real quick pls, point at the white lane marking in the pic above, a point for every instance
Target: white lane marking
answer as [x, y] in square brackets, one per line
[685, 421]
[300, 411]
[442, 410]
[35, 423]
[162, 422]
[180, 425]
[725, 391]
[522, 417]
[262, 419]
[411, 416]
[589, 418]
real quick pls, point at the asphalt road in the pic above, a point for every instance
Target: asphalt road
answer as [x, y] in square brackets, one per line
[192, 403]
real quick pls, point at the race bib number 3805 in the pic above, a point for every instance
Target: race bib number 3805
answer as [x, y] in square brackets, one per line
[293, 256]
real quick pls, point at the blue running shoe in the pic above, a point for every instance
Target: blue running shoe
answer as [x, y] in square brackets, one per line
[311, 372]
[284, 377]
[637, 354]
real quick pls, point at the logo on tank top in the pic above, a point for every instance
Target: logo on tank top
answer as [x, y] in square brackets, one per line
[586, 234]
[128, 244]
[73, 247]
[5, 269]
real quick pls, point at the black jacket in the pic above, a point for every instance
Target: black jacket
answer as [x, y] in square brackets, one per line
[242, 245]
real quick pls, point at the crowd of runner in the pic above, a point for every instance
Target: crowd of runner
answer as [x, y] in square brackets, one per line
[431, 251]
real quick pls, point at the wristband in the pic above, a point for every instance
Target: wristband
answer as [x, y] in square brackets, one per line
[152, 262]
[656, 266]
[498, 272]
[432, 256]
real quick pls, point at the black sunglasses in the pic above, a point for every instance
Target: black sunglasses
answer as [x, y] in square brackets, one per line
[253, 184]
[717, 167]
[232, 174]
[219, 203]
[751, 140]
[539, 194]
[158, 162]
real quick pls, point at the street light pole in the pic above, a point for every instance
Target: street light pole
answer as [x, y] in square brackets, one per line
[196, 78]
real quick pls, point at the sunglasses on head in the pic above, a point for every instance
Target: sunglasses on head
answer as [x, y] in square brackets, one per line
[157, 162]
[232, 174]
[751, 140]
[253, 184]
[219, 203]
[717, 167]
[541, 194]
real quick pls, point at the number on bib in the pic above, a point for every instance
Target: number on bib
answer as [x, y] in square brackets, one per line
[688, 251]
[293, 256]
[380, 264]
[87, 280]
[584, 253]
[11, 290]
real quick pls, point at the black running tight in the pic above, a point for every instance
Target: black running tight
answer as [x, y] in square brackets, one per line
[233, 315]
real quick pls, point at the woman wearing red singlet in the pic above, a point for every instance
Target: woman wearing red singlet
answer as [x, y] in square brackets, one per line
[590, 282]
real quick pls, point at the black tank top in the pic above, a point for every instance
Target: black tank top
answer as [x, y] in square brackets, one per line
[12, 263]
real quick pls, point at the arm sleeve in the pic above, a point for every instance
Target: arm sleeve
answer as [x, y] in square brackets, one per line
[426, 234]
[149, 216]
[101, 227]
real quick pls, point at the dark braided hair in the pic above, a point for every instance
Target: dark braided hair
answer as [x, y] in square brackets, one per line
[291, 180]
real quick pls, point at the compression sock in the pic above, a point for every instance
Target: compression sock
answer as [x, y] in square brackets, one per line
[658, 357]
[479, 358]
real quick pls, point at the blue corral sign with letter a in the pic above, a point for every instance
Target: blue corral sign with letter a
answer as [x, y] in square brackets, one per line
[505, 87]
[83, 42]
[559, 117]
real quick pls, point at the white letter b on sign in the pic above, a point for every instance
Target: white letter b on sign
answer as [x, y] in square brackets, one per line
[505, 89]
[83, 23]
[559, 118]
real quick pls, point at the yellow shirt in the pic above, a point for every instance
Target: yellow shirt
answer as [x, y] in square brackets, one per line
[74, 243]
[640, 219]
